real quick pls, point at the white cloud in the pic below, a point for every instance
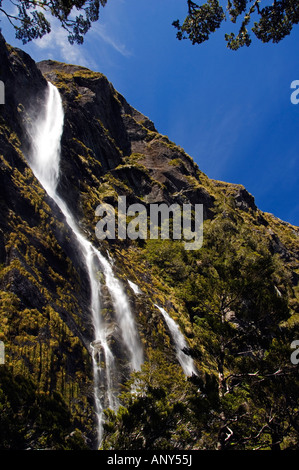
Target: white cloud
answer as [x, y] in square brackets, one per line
[57, 46]
[100, 41]
[99, 30]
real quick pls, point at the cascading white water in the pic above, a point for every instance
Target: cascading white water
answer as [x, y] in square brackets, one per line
[44, 161]
[45, 137]
[134, 287]
[123, 315]
[180, 343]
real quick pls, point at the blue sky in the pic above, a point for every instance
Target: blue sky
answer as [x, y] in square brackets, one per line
[230, 110]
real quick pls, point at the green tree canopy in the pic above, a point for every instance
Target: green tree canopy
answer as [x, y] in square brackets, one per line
[272, 21]
[237, 294]
[155, 412]
[30, 18]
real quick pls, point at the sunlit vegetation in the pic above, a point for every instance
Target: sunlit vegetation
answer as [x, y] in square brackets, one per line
[236, 299]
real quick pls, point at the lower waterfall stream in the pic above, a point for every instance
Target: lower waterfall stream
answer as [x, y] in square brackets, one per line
[180, 343]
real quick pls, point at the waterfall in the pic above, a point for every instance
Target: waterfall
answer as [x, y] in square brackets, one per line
[44, 161]
[45, 138]
[134, 287]
[180, 343]
[123, 314]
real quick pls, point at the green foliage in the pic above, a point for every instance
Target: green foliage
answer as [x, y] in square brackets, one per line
[33, 420]
[275, 21]
[41, 344]
[201, 21]
[234, 299]
[170, 258]
[237, 296]
[30, 21]
[154, 414]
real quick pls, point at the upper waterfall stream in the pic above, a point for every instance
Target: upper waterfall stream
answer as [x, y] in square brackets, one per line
[44, 161]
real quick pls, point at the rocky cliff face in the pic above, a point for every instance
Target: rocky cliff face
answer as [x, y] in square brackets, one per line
[108, 149]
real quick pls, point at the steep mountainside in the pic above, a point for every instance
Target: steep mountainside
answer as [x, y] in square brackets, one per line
[235, 299]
